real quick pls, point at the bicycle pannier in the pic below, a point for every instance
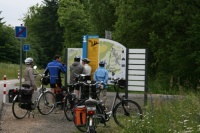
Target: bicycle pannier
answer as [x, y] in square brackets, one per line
[80, 115]
[12, 93]
[25, 95]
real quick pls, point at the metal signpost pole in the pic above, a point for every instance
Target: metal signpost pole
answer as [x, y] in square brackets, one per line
[20, 64]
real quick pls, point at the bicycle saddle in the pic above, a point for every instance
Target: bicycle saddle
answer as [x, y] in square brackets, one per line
[90, 102]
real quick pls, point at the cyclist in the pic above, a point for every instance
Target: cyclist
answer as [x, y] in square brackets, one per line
[101, 74]
[75, 69]
[29, 79]
[54, 70]
[88, 69]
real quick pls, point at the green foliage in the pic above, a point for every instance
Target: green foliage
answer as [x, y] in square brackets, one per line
[10, 70]
[170, 114]
[9, 46]
[74, 21]
[102, 16]
[45, 33]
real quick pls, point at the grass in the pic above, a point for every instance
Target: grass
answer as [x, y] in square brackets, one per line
[178, 114]
[10, 70]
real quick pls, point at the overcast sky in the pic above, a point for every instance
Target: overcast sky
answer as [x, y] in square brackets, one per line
[13, 10]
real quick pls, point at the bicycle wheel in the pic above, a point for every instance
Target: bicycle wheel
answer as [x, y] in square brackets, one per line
[68, 107]
[18, 112]
[91, 125]
[46, 103]
[126, 111]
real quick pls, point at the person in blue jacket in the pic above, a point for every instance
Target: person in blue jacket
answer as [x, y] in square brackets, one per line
[101, 74]
[54, 70]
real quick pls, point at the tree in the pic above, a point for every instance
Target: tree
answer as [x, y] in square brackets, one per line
[9, 46]
[102, 16]
[74, 20]
[46, 33]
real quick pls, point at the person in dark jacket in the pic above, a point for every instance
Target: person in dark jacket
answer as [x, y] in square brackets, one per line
[54, 70]
[75, 70]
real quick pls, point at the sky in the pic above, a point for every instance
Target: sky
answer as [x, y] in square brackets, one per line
[13, 10]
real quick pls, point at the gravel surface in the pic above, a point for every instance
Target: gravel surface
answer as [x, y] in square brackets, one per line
[52, 123]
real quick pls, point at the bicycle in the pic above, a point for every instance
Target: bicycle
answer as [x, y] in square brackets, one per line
[60, 93]
[45, 101]
[70, 100]
[123, 112]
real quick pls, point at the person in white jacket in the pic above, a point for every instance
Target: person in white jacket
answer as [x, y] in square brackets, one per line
[88, 69]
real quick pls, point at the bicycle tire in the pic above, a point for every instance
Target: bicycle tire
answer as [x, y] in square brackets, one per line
[68, 110]
[120, 110]
[46, 103]
[91, 128]
[18, 112]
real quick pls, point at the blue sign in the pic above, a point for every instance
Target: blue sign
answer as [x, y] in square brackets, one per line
[26, 47]
[85, 37]
[20, 32]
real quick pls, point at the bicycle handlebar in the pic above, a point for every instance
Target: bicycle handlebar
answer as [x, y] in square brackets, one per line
[84, 83]
[94, 84]
[115, 81]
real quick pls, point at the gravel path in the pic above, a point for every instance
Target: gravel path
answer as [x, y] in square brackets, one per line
[52, 123]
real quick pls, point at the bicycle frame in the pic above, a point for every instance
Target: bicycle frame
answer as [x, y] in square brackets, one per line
[105, 117]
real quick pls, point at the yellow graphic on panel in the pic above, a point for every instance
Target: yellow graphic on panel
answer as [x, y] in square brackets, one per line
[93, 53]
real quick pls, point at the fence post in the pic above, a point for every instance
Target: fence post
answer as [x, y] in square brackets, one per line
[18, 74]
[4, 90]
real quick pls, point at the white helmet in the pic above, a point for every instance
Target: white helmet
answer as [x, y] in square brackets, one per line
[28, 61]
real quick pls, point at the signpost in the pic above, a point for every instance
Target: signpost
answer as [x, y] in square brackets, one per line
[20, 33]
[26, 48]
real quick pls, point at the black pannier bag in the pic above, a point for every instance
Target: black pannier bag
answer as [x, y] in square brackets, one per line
[25, 96]
[11, 94]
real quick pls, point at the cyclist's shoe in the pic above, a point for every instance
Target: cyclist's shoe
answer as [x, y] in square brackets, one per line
[56, 111]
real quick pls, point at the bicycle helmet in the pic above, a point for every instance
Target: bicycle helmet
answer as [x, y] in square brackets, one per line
[77, 58]
[28, 61]
[102, 63]
[86, 60]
